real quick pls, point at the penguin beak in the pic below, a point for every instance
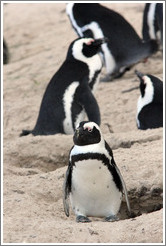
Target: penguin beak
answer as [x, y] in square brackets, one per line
[139, 74]
[100, 41]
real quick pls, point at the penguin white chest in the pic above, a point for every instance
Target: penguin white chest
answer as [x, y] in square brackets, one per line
[67, 101]
[94, 192]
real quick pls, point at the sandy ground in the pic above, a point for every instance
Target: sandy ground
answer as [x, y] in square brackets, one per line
[38, 36]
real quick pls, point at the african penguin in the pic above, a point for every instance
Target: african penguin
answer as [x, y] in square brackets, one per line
[124, 47]
[150, 102]
[69, 95]
[93, 181]
[153, 22]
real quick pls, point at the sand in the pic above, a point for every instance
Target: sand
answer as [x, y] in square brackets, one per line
[38, 36]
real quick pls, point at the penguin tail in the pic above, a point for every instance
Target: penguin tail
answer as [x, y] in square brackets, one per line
[25, 133]
[153, 46]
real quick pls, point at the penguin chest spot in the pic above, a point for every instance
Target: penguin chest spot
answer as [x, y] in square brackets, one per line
[94, 192]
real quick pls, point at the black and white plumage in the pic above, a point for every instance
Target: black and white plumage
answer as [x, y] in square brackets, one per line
[124, 47]
[150, 102]
[153, 22]
[93, 181]
[69, 94]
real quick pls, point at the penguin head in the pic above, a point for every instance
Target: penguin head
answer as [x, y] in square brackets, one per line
[146, 84]
[150, 86]
[86, 133]
[84, 48]
[142, 82]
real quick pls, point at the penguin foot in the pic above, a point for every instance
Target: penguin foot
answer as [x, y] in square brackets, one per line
[83, 219]
[111, 218]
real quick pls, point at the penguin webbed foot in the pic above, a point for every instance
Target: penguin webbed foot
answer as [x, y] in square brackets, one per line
[111, 218]
[83, 219]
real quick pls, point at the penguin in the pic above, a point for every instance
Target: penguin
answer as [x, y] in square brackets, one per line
[5, 53]
[124, 47]
[150, 102]
[153, 22]
[93, 182]
[69, 95]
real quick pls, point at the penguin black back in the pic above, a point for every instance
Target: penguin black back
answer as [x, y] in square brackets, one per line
[68, 96]
[153, 22]
[124, 47]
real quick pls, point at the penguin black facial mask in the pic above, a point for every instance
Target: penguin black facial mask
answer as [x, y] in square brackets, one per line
[93, 47]
[85, 135]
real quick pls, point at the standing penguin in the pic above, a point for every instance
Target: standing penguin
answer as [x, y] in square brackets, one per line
[153, 22]
[150, 102]
[93, 181]
[68, 96]
[124, 47]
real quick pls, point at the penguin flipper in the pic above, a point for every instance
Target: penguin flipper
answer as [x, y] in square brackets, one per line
[120, 176]
[66, 207]
[124, 189]
[67, 190]
[89, 103]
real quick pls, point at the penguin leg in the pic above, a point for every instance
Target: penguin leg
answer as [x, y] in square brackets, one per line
[111, 218]
[83, 219]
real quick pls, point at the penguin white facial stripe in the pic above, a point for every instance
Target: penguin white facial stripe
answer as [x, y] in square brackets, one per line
[69, 11]
[94, 63]
[97, 33]
[150, 20]
[89, 128]
[90, 125]
[149, 93]
[67, 100]
[80, 117]
[78, 46]
[94, 27]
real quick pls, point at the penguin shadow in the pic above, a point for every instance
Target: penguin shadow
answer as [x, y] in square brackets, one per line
[142, 202]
